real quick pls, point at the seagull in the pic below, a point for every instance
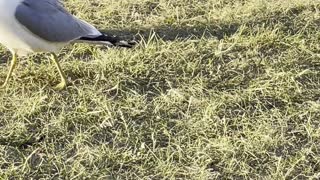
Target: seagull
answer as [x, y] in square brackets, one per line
[31, 26]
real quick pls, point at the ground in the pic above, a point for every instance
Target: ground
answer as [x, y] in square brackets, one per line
[215, 89]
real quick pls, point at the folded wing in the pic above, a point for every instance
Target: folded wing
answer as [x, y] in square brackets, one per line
[49, 20]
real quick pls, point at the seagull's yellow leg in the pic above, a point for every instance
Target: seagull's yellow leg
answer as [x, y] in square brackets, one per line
[12, 66]
[63, 82]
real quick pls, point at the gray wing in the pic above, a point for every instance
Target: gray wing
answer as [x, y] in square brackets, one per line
[50, 21]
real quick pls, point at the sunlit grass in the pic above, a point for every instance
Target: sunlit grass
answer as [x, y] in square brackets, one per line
[214, 90]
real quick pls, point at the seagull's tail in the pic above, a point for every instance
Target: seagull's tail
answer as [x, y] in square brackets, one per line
[107, 40]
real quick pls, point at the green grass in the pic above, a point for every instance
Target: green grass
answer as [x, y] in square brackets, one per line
[216, 89]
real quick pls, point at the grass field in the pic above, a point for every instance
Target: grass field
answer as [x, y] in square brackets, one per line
[215, 89]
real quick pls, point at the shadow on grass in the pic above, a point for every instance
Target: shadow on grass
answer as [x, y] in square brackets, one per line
[282, 20]
[170, 33]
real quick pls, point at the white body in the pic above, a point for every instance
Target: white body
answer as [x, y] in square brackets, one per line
[17, 38]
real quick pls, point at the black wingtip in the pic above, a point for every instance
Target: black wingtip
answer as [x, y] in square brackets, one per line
[112, 40]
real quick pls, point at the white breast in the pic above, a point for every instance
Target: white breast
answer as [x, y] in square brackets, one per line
[18, 38]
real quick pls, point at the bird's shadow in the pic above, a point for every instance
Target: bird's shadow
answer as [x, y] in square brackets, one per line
[171, 33]
[219, 30]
